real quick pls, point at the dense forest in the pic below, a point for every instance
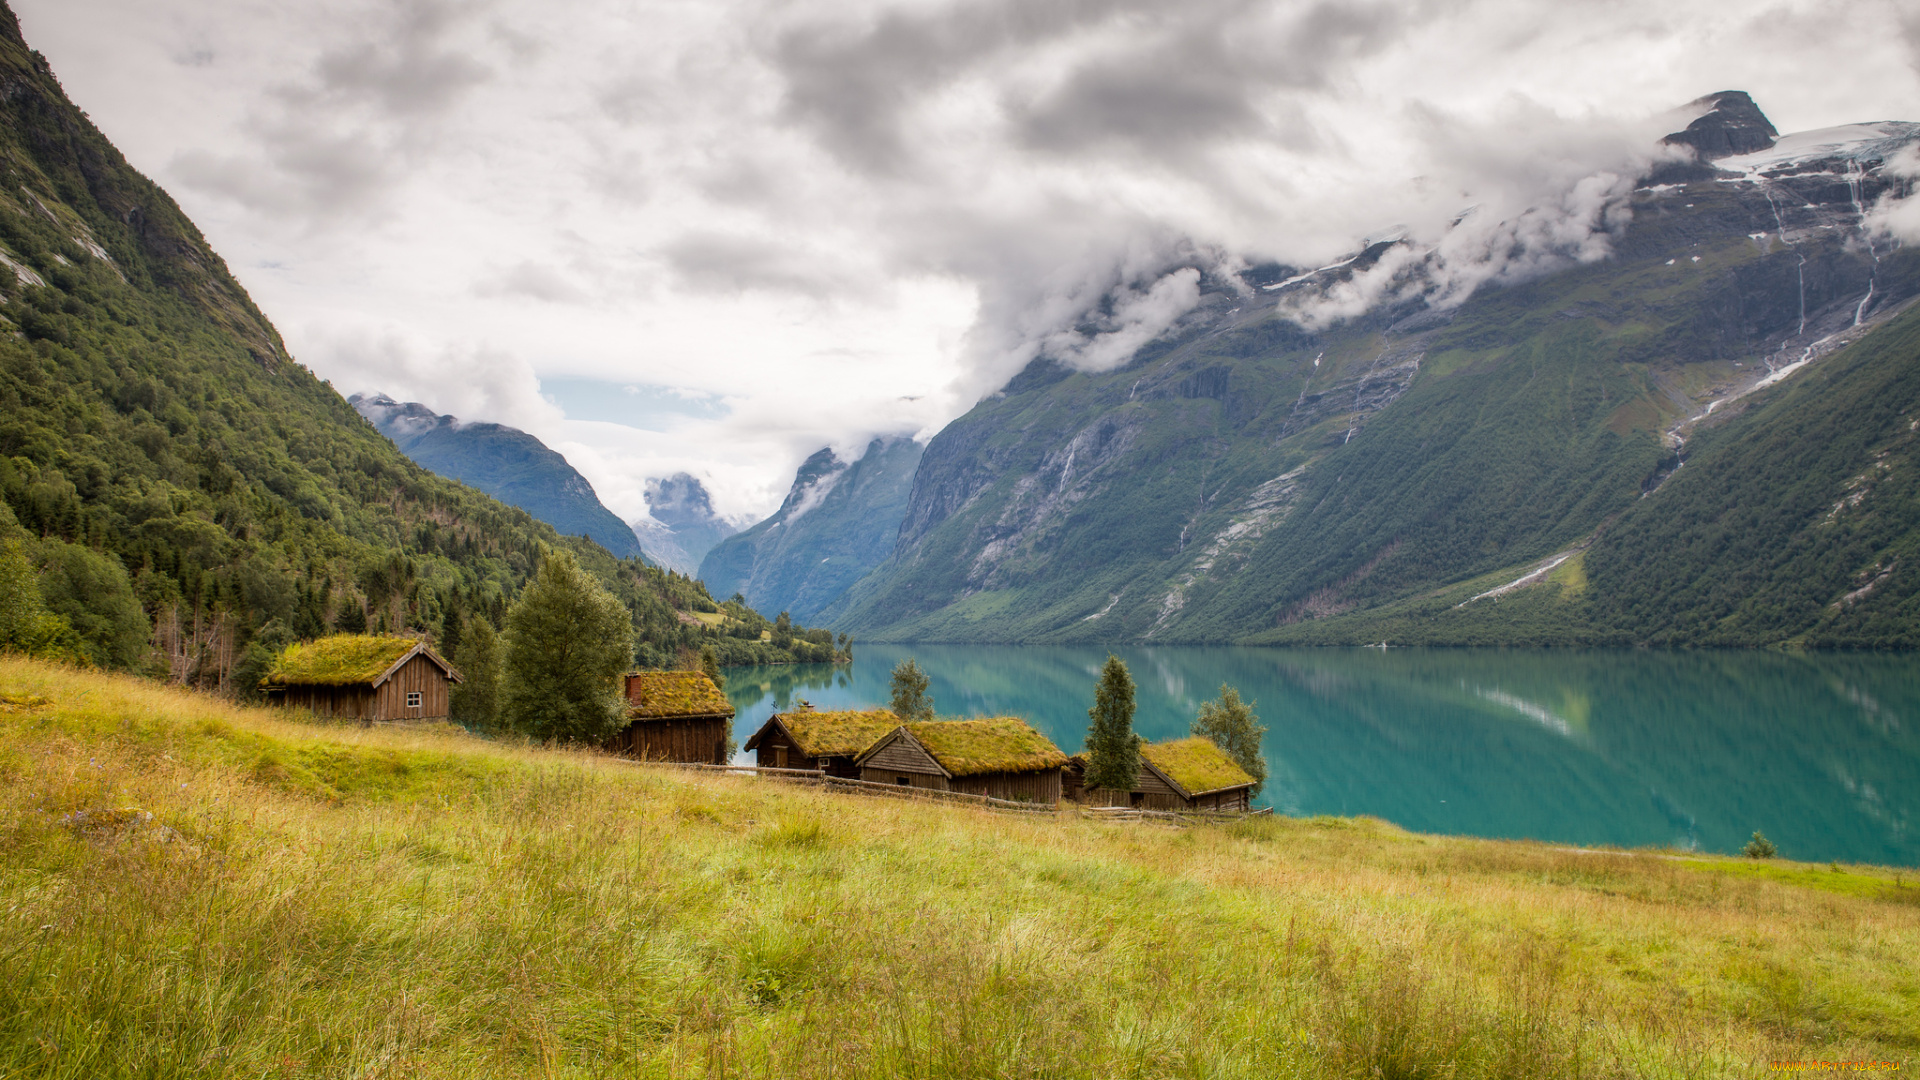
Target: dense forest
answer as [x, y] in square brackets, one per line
[190, 496]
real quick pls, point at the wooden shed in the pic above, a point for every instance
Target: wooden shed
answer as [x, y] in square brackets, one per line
[1000, 757]
[1183, 774]
[373, 679]
[675, 716]
[805, 739]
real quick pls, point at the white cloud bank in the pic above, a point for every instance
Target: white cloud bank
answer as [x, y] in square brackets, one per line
[858, 217]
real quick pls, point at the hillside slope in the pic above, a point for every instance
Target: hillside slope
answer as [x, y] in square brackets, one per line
[838, 522]
[177, 467]
[1245, 478]
[194, 889]
[504, 462]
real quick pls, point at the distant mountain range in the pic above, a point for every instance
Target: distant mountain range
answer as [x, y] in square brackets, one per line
[682, 527]
[1705, 437]
[838, 522]
[504, 462]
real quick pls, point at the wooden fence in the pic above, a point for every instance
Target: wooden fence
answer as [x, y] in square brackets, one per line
[868, 787]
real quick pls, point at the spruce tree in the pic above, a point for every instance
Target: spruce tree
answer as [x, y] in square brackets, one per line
[1113, 754]
[1231, 725]
[568, 643]
[475, 699]
[911, 701]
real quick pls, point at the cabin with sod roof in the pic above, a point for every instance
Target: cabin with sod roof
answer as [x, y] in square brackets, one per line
[675, 716]
[1000, 757]
[829, 741]
[369, 678]
[1189, 774]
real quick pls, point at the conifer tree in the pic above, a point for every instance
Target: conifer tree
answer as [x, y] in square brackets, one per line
[475, 699]
[1231, 725]
[911, 701]
[568, 643]
[1113, 754]
[710, 664]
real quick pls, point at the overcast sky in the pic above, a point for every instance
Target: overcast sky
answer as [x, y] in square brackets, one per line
[715, 235]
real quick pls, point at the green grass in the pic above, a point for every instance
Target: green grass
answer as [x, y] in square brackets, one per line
[318, 901]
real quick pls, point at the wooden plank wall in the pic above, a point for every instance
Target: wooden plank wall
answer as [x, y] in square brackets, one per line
[884, 775]
[332, 702]
[419, 675]
[692, 742]
[776, 751]
[904, 755]
[1041, 786]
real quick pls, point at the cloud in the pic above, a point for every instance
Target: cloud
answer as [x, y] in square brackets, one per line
[1897, 213]
[856, 217]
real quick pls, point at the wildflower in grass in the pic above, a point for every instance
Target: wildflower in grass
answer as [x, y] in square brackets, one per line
[1232, 725]
[568, 643]
[1113, 754]
[911, 701]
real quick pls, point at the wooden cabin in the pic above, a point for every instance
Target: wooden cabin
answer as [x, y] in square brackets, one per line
[1189, 774]
[369, 678]
[805, 739]
[675, 716]
[1001, 757]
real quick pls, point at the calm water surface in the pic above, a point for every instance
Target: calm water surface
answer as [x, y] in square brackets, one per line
[1688, 749]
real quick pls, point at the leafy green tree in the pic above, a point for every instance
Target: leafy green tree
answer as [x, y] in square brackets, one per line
[710, 664]
[1113, 754]
[25, 623]
[568, 643]
[911, 700]
[783, 631]
[92, 591]
[475, 699]
[1232, 725]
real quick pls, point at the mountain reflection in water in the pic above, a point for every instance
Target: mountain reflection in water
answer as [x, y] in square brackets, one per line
[1683, 749]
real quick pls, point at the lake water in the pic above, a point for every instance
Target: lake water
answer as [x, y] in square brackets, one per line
[1683, 749]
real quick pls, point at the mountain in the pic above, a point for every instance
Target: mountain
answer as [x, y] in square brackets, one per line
[681, 527]
[504, 462]
[838, 522]
[189, 495]
[1254, 476]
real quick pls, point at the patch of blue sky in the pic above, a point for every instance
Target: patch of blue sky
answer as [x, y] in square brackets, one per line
[647, 406]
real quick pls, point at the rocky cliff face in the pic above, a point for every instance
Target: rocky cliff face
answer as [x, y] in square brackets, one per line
[1245, 474]
[504, 462]
[839, 520]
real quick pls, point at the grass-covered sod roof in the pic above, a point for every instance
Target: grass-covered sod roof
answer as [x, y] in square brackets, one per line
[1196, 765]
[342, 660]
[838, 734]
[657, 695]
[995, 744]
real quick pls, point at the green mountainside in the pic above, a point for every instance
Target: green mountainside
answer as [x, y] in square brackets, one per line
[837, 523]
[1244, 479]
[504, 462]
[190, 494]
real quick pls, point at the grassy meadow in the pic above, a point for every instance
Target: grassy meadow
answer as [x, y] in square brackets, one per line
[318, 901]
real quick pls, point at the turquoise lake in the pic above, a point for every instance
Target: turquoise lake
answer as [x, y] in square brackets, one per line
[1683, 749]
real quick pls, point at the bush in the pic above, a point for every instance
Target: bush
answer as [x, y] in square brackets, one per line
[1759, 847]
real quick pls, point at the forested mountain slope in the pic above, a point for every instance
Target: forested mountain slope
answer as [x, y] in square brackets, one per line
[184, 486]
[837, 523]
[504, 462]
[1245, 478]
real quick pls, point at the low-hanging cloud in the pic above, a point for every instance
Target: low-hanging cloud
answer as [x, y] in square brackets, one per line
[858, 217]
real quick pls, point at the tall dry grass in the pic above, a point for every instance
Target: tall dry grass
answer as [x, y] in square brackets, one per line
[330, 901]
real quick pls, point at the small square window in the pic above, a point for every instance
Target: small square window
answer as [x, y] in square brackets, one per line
[413, 699]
